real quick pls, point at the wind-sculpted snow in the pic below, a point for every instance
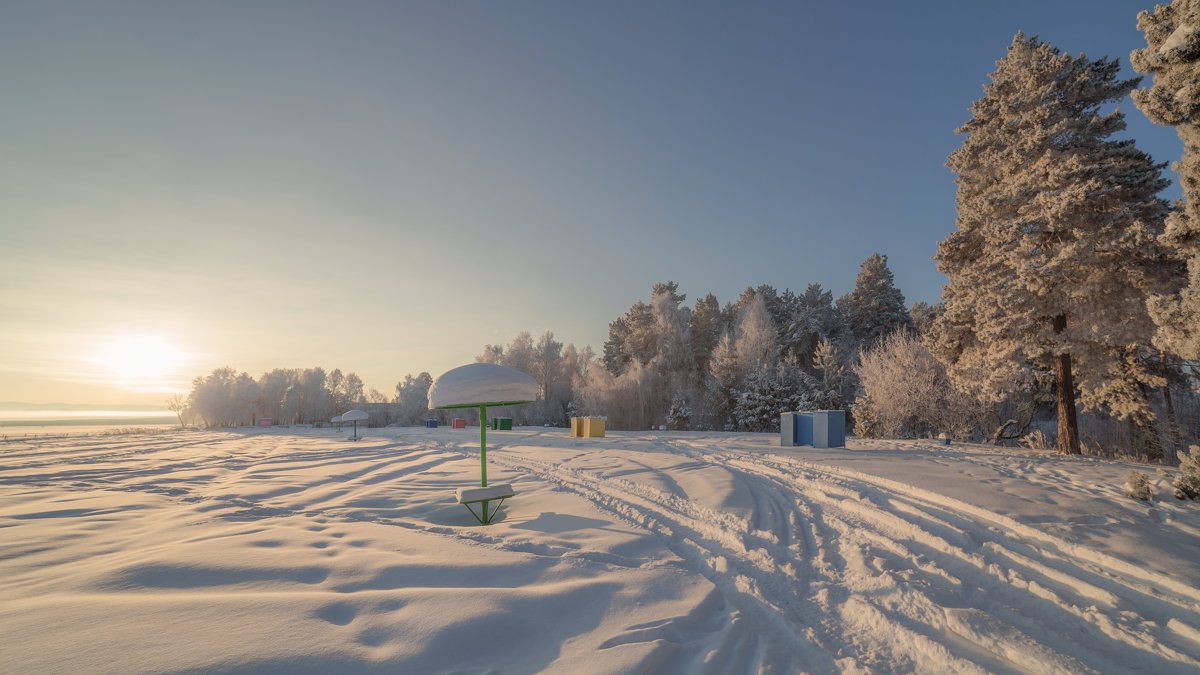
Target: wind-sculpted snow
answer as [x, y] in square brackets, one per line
[676, 552]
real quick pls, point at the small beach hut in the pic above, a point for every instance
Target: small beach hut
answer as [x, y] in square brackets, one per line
[479, 385]
[355, 416]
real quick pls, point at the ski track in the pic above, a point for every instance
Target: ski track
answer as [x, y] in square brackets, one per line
[832, 570]
[884, 576]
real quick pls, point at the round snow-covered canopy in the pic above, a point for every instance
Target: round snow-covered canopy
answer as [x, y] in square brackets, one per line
[337, 419]
[481, 384]
[354, 416]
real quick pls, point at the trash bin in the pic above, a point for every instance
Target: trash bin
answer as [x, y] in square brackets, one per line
[430, 424]
[829, 429]
[502, 423]
[458, 423]
[593, 427]
[795, 428]
[587, 427]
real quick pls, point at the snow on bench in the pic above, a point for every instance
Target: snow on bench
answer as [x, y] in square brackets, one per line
[483, 494]
[491, 493]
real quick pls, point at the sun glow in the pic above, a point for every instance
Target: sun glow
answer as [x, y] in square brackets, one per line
[141, 359]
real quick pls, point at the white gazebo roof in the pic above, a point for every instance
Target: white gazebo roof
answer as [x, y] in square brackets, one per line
[354, 416]
[477, 384]
[336, 419]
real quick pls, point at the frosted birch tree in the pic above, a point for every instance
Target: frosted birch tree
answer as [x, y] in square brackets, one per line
[548, 371]
[1055, 252]
[273, 387]
[672, 325]
[756, 347]
[412, 398]
[521, 354]
[1172, 58]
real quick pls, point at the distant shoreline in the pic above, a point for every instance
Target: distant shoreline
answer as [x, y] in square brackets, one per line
[89, 418]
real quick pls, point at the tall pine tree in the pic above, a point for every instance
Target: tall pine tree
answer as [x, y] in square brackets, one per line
[875, 308]
[705, 330]
[814, 319]
[1055, 252]
[1172, 57]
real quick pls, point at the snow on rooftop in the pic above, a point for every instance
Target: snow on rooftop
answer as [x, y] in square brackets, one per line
[354, 416]
[481, 384]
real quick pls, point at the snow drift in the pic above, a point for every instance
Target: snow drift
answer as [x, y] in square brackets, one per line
[277, 550]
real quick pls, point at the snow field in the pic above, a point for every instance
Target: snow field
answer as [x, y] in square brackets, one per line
[675, 552]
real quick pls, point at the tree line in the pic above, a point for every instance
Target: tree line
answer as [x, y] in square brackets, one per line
[226, 398]
[1073, 290]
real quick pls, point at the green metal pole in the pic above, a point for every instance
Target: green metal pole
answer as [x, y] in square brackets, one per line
[483, 458]
[483, 445]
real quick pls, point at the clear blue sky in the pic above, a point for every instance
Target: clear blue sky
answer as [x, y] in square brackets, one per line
[387, 186]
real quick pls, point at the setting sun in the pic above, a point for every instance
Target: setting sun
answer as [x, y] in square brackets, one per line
[140, 359]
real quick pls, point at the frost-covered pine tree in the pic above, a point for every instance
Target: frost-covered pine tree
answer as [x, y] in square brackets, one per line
[631, 338]
[1187, 485]
[813, 319]
[875, 308]
[1172, 57]
[1055, 251]
[679, 414]
[725, 377]
[923, 315]
[760, 400]
[616, 358]
[1137, 486]
[828, 391]
[706, 326]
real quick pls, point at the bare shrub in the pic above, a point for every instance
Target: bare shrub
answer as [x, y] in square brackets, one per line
[1036, 440]
[906, 393]
[635, 399]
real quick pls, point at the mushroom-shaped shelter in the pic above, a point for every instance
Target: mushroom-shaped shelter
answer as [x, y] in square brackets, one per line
[481, 384]
[355, 416]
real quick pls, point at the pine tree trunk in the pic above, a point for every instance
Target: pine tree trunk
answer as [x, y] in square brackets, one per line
[1143, 436]
[1172, 423]
[1148, 428]
[1068, 425]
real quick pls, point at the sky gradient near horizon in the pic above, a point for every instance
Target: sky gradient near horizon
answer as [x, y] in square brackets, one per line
[386, 187]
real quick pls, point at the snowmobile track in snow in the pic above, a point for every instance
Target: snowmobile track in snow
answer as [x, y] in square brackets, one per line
[836, 569]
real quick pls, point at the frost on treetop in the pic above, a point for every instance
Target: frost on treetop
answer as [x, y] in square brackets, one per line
[481, 384]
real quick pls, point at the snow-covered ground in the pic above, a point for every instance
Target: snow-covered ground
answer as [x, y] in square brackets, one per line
[299, 551]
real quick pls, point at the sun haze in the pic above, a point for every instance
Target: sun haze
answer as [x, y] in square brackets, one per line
[141, 362]
[386, 188]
